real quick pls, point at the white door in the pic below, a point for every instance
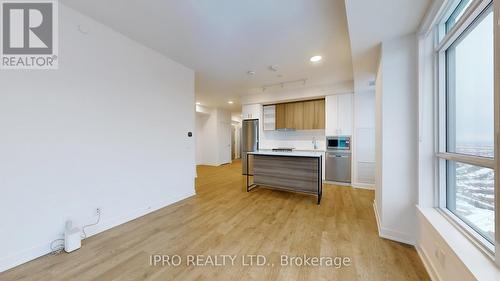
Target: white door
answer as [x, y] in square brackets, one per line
[224, 143]
[345, 110]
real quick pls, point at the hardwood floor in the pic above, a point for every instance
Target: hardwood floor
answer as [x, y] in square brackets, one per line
[222, 219]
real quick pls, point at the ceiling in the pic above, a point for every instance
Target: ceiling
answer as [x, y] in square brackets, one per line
[222, 40]
[372, 22]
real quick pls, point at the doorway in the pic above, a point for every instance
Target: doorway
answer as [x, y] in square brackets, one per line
[235, 142]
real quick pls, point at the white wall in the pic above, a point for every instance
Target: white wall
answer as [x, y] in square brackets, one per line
[108, 129]
[236, 117]
[431, 244]
[398, 144]
[379, 164]
[213, 135]
[224, 136]
[236, 122]
[206, 138]
[426, 118]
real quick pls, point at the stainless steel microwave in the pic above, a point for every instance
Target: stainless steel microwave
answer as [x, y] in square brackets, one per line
[338, 143]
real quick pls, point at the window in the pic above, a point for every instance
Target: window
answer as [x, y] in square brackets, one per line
[457, 14]
[470, 95]
[467, 121]
[470, 196]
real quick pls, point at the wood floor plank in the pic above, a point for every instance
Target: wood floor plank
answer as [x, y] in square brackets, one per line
[223, 219]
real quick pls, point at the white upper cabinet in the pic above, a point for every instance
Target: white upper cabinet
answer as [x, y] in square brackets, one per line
[269, 113]
[339, 112]
[251, 111]
[345, 110]
[331, 112]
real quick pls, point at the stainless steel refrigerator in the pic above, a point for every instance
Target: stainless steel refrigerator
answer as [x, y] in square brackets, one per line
[249, 142]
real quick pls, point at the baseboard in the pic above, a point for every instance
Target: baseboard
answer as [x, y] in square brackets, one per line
[377, 217]
[337, 183]
[32, 253]
[364, 186]
[396, 236]
[389, 233]
[431, 270]
[23, 256]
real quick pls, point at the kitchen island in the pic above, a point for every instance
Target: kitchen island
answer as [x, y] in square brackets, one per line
[296, 171]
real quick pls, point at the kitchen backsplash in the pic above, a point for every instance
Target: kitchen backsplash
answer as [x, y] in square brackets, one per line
[300, 140]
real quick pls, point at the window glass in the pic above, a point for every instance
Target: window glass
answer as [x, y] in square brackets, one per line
[457, 14]
[471, 196]
[470, 91]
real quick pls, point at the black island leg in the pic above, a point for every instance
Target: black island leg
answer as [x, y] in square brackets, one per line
[247, 171]
[320, 179]
[249, 186]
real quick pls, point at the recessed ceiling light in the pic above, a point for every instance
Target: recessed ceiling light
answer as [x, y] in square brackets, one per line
[230, 102]
[273, 68]
[250, 72]
[198, 103]
[316, 58]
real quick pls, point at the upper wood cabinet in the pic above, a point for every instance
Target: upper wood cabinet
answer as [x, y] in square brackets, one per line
[303, 115]
[294, 113]
[309, 114]
[314, 114]
[280, 116]
[319, 116]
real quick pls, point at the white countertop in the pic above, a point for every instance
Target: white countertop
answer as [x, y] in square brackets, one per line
[311, 150]
[295, 153]
[299, 149]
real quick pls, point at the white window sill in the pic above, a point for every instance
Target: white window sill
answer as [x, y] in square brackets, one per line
[476, 261]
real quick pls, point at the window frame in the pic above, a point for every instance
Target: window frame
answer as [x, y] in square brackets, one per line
[496, 87]
[459, 4]
[444, 40]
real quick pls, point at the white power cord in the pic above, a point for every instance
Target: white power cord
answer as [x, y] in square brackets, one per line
[84, 236]
[56, 250]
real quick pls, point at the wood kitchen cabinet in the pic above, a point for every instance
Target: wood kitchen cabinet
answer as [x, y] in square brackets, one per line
[294, 115]
[309, 114]
[314, 115]
[280, 116]
[319, 116]
[302, 115]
